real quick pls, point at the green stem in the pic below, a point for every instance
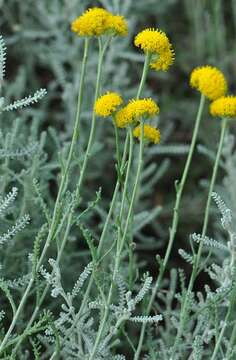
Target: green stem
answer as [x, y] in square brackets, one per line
[102, 238]
[118, 158]
[111, 209]
[144, 74]
[120, 245]
[142, 83]
[135, 188]
[131, 146]
[230, 312]
[104, 232]
[212, 184]
[231, 342]
[76, 130]
[204, 229]
[173, 229]
[102, 50]
[125, 190]
[103, 323]
[58, 200]
[215, 352]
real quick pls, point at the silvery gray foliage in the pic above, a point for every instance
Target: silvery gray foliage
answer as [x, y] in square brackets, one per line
[77, 334]
[186, 256]
[198, 238]
[10, 197]
[28, 150]
[27, 101]
[2, 59]
[20, 223]
[31, 99]
[223, 276]
[82, 278]
[226, 219]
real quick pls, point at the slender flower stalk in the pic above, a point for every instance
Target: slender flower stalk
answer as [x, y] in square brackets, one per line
[197, 258]
[102, 238]
[104, 232]
[118, 158]
[61, 191]
[144, 75]
[219, 339]
[231, 342]
[76, 130]
[102, 49]
[212, 184]
[125, 189]
[135, 188]
[120, 245]
[101, 328]
[127, 177]
[230, 312]
[117, 187]
[175, 221]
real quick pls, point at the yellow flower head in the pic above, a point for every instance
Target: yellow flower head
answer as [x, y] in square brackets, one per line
[224, 107]
[150, 133]
[123, 118]
[164, 60]
[98, 21]
[93, 22]
[119, 25]
[142, 107]
[107, 104]
[209, 81]
[136, 109]
[151, 40]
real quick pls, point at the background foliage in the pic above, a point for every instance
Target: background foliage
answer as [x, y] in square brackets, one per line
[43, 53]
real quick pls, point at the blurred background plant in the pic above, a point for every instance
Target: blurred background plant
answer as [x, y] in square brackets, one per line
[43, 53]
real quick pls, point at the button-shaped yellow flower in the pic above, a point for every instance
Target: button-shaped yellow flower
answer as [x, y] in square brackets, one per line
[123, 118]
[118, 25]
[152, 40]
[107, 104]
[98, 21]
[164, 60]
[210, 81]
[156, 42]
[136, 109]
[143, 108]
[224, 107]
[150, 133]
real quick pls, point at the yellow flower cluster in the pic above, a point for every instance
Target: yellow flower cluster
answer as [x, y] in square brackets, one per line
[98, 21]
[118, 25]
[136, 109]
[224, 107]
[149, 132]
[123, 118]
[107, 104]
[156, 43]
[209, 81]
[151, 40]
[142, 107]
